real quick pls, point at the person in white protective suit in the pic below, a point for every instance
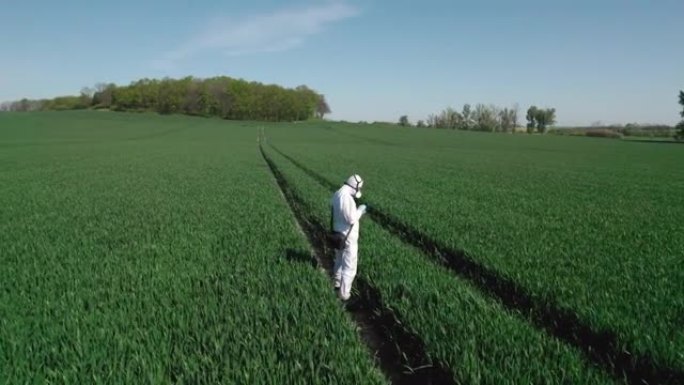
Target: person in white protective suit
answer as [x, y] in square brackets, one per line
[345, 218]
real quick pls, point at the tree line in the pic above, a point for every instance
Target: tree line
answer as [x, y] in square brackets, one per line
[487, 118]
[617, 131]
[495, 119]
[224, 97]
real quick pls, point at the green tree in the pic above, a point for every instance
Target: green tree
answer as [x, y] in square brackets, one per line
[507, 119]
[532, 114]
[514, 115]
[102, 96]
[680, 127]
[169, 99]
[450, 118]
[219, 96]
[680, 131]
[404, 121]
[217, 100]
[192, 98]
[486, 117]
[322, 107]
[538, 119]
[467, 116]
[545, 117]
[87, 94]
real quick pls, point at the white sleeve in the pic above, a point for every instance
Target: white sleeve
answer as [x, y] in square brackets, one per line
[349, 211]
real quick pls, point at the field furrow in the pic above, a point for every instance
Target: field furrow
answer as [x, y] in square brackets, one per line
[584, 228]
[602, 347]
[400, 352]
[473, 336]
[168, 260]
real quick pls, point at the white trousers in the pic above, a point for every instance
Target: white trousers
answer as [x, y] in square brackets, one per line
[345, 268]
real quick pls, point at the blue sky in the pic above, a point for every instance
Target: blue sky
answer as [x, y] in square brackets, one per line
[601, 60]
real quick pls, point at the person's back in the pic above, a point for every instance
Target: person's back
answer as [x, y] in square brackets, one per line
[345, 220]
[343, 213]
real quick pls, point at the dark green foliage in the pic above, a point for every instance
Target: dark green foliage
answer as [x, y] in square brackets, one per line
[532, 113]
[223, 97]
[545, 118]
[680, 131]
[680, 127]
[538, 119]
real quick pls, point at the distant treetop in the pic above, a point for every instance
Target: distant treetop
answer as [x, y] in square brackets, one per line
[225, 97]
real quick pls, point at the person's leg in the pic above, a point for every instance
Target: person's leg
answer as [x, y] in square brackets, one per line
[349, 262]
[337, 269]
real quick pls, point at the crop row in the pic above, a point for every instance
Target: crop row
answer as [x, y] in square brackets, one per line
[169, 261]
[559, 216]
[475, 337]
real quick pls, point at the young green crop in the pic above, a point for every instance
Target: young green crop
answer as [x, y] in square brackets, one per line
[144, 249]
[589, 224]
[474, 336]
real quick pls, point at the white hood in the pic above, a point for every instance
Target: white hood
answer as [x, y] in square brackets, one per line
[350, 191]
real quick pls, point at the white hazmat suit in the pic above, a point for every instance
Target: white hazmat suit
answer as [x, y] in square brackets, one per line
[345, 219]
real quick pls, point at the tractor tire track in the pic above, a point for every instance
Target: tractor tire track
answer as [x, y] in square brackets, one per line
[602, 348]
[398, 352]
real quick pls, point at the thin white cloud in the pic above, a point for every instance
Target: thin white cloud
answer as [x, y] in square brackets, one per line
[277, 31]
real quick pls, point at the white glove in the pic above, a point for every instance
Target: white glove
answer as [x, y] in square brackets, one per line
[362, 209]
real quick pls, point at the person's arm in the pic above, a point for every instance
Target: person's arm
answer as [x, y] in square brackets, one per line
[350, 213]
